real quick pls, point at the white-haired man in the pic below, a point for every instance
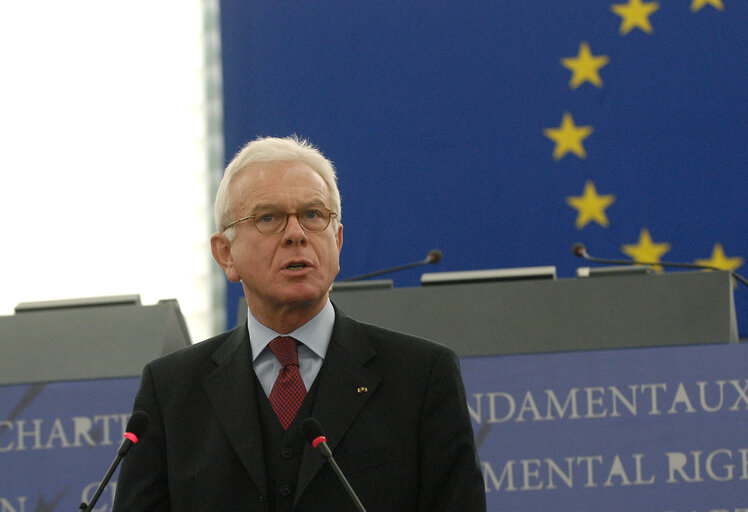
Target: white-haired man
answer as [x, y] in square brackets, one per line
[226, 413]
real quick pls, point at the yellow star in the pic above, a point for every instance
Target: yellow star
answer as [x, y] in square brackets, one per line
[646, 250]
[696, 5]
[635, 14]
[591, 206]
[568, 137]
[719, 260]
[585, 67]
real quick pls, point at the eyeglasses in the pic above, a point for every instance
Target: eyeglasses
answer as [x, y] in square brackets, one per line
[312, 220]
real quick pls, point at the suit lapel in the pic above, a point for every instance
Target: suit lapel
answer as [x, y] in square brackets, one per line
[231, 390]
[344, 388]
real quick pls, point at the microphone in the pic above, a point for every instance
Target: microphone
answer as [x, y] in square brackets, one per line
[312, 431]
[135, 429]
[434, 256]
[580, 251]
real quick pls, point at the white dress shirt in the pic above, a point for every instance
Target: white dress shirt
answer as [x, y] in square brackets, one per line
[313, 337]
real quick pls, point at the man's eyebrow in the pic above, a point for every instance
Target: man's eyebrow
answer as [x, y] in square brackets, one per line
[313, 203]
[265, 206]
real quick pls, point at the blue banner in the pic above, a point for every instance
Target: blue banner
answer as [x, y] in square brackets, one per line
[57, 441]
[504, 132]
[660, 430]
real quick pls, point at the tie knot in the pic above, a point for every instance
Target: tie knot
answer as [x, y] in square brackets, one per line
[284, 349]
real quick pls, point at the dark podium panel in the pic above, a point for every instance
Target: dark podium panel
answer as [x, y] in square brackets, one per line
[517, 317]
[87, 340]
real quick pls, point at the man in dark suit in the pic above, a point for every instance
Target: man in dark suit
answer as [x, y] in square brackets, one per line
[225, 414]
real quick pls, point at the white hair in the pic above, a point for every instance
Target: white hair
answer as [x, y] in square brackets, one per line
[273, 149]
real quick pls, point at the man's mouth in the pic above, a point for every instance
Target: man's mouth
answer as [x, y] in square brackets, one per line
[296, 266]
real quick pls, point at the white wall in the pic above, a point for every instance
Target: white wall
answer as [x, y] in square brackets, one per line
[106, 153]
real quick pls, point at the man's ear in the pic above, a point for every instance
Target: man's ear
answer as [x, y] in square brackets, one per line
[339, 237]
[220, 246]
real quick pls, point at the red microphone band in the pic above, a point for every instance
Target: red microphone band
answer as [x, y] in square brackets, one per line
[318, 440]
[132, 437]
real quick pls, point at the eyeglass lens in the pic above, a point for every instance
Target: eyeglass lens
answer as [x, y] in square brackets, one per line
[312, 219]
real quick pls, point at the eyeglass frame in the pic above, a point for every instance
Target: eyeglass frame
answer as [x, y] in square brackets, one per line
[285, 225]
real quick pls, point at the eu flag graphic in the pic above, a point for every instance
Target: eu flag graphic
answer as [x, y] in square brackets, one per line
[504, 132]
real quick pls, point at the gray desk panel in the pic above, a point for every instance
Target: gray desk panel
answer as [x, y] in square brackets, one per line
[557, 315]
[87, 343]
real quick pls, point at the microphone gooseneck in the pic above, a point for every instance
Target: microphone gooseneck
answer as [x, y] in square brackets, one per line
[135, 429]
[580, 251]
[434, 256]
[314, 435]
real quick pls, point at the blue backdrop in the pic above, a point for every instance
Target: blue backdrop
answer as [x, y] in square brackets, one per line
[659, 429]
[503, 132]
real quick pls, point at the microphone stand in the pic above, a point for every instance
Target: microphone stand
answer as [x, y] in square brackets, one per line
[136, 427]
[312, 431]
[580, 251]
[87, 507]
[344, 481]
[433, 257]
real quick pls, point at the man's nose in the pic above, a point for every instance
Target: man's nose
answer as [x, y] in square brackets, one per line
[294, 233]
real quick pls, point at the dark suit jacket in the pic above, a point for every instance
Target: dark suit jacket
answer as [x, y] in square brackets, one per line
[392, 406]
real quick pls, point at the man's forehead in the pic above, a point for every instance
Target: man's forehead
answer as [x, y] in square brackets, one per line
[278, 172]
[273, 181]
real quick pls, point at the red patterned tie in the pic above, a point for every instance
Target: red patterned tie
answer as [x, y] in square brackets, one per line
[288, 391]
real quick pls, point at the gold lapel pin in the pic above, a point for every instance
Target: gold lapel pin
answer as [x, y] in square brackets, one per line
[362, 390]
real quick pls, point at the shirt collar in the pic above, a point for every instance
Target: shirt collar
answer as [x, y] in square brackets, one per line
[315, 334]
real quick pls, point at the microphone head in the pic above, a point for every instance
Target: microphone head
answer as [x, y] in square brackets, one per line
[578, 250]
[435, 256]
[311, 430]
[138, 423]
